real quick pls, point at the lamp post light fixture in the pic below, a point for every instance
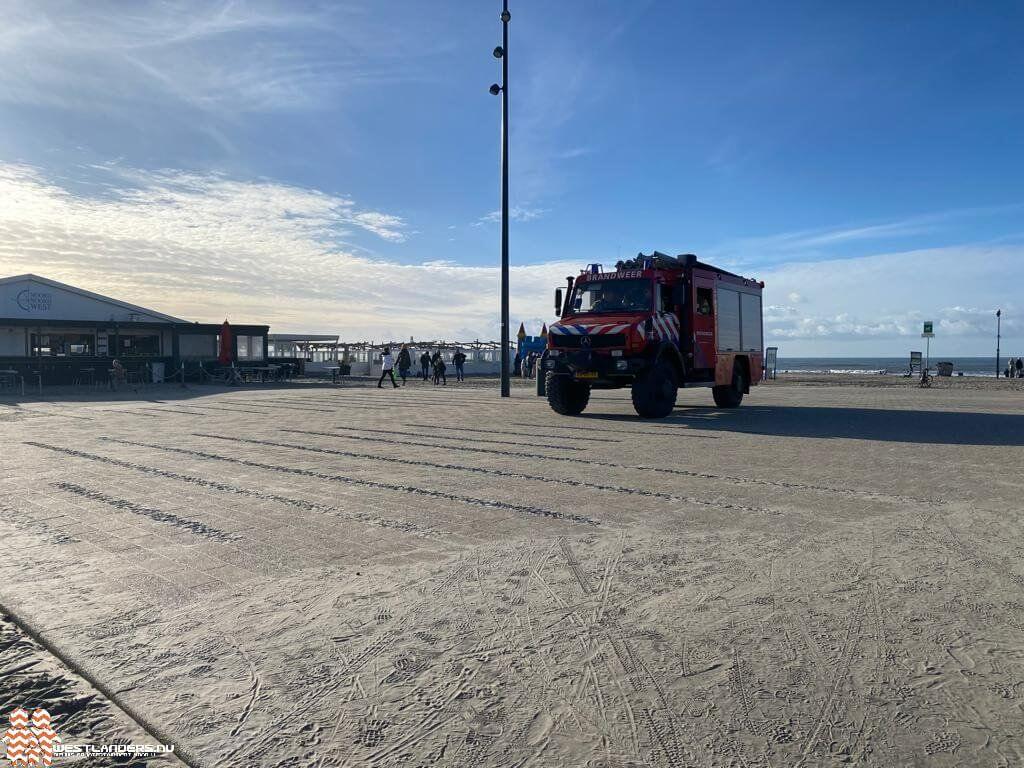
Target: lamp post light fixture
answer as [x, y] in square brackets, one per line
[999, 314]
[501, 52]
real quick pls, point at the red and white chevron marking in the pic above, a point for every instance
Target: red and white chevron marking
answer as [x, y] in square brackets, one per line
[45, 735]
[22, 745]
[30, 746]
[667, 327]
[587, 329]
[19, 718]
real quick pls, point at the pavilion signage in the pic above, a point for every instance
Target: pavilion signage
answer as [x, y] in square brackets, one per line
[34, 301]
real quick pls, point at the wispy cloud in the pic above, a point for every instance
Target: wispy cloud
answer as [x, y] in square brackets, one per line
[514, 214]
[826, 242]
[573, 153]
[218, 56]
[206, 246]
[823, 306]
[564, 72]
[202, 246]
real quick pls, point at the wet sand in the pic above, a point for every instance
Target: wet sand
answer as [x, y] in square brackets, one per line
[314, 576]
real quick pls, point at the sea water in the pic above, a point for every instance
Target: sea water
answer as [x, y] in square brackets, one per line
[969, 366]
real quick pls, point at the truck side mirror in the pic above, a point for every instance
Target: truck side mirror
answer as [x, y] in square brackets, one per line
[558, 301]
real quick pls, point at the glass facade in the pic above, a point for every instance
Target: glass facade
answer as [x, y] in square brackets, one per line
[63, 344]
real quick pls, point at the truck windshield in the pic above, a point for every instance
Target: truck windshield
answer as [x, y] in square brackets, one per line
[598, 296]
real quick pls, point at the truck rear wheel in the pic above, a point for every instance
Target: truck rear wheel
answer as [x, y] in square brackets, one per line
[732, 395]
[655, 390]
[567, 396]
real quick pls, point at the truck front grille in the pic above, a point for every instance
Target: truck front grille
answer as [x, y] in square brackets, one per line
[603, 341]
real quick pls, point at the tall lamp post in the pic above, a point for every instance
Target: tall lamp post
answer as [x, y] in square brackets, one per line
[501, 52]
[999, 314]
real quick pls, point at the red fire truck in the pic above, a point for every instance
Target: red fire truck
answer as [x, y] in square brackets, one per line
[655, 324]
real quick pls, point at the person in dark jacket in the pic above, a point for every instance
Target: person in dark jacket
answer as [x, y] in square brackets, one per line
[404, 363]
[1020, 368]
[459, 359]
[425, 365]
[439, 368]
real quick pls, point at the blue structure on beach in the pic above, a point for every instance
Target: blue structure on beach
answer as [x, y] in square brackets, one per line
[528, 344]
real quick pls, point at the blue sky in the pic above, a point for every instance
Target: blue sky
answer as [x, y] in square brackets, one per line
[333, 166]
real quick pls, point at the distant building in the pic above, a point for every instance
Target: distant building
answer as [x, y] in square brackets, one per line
[62, 330]
[317, 348]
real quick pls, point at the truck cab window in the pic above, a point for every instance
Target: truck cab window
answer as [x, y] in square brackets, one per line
[704, 302]
[664, 298]
[611, 296]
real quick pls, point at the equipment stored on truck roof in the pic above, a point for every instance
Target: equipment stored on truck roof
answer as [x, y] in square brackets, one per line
[655, 324]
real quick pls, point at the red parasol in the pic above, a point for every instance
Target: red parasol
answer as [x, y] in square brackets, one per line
[226, 345]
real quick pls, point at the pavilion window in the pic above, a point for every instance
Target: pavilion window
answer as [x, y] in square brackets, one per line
[139, 344]
[63, 344]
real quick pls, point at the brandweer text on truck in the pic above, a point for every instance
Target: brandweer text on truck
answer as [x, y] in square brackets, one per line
[655, 324]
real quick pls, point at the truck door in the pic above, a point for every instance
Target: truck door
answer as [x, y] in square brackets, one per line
[703, 322]
[666, 317]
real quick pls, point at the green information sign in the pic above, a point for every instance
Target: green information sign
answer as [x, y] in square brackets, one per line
[928, 327]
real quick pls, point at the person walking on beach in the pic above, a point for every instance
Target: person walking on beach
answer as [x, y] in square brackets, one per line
[387, 368]
[1020, 368]
[118, 375]
[439, 369]
[404, 363]
[459, 359]
[425, 365]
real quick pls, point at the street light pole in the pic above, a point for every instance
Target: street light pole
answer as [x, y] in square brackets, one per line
[502, 53]
[999, 314]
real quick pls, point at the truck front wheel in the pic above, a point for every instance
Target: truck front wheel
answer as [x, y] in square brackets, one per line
[567, 396]
[655, 390]
[732, 395]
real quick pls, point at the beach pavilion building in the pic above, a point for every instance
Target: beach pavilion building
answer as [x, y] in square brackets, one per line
[69, 335]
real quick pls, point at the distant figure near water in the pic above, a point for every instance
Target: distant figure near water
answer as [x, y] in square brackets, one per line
[1020, 368]
[425, 365]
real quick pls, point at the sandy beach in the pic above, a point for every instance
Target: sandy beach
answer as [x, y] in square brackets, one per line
[982, 383]
[830, 575]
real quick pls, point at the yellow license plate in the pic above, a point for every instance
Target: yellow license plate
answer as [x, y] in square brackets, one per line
[586, 375]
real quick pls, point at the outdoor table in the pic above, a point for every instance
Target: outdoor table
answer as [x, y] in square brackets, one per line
[263, 370]
[335, 372]
[9, 377]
